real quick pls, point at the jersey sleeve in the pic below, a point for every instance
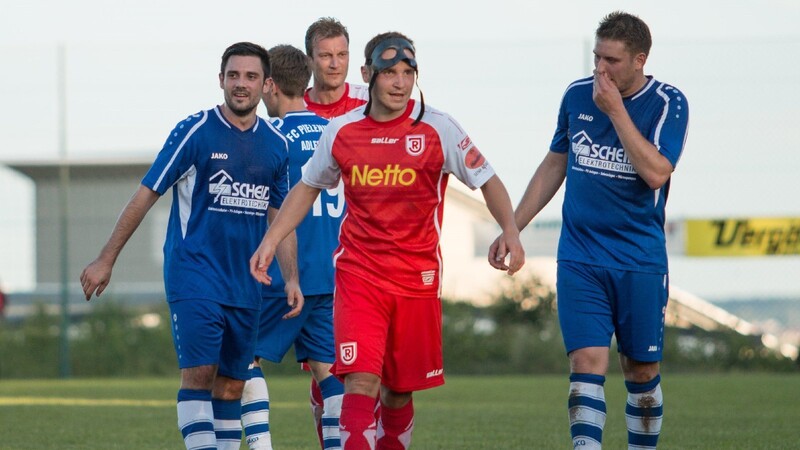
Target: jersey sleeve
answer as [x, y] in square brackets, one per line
[176, 157]
[669, 134]
[560, 142]
[322, 171]
[280, 183]
[461, 157]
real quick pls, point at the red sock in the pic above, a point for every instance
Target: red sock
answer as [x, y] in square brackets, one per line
[315, 400]
[357, 422]
[395, 427]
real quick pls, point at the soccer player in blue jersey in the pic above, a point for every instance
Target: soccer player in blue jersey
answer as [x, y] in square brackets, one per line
[228, 171]
[311, 332]
[619, 136]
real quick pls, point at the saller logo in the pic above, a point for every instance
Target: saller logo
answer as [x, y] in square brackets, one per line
[384, 140]
[348, 352]
[391, 175]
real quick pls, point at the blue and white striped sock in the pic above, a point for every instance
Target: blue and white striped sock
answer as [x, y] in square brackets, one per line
[587, 410]
[255, 411]
[228, 423]
[332, 394]
[196, 419]
[644, 413]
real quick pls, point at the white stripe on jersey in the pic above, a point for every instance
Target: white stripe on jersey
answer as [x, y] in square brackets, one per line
[663, 117]
[185, 189]
[179, 148]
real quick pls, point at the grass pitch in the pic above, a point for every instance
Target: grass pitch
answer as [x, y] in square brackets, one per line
[715, 411]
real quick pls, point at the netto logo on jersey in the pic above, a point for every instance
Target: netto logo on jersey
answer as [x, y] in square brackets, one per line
[231, 193]
[219, 155]
[391, 175]
[605, 157]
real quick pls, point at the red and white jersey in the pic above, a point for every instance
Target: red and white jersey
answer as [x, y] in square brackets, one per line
[395, 176]
[354, 96]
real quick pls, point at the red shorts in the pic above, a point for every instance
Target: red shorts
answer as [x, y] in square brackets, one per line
[397, 338]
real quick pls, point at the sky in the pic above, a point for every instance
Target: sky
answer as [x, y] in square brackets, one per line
[135, 68]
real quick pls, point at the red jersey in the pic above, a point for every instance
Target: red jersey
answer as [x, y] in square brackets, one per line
[354, 96]
[395, 176]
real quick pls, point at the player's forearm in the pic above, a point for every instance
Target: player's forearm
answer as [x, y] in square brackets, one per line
[499, 204]
[544, 184]
[286, 254]
[129, 220]
[654, 168]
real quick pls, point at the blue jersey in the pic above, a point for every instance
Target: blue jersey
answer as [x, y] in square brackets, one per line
[223, 180]
[611, 217]
[318, 234]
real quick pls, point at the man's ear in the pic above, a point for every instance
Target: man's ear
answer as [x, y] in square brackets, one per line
[221, 80]
[365, 74]
[640, 60]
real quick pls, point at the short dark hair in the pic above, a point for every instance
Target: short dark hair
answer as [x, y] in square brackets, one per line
[291, 70]
[246, 49]
[631, 30]
[324, 28]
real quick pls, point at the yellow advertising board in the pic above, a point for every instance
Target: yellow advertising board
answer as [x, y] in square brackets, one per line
[743, 237]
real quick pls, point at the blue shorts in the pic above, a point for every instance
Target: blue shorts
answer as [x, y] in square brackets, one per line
[311, 332]
[205, 333]
[596, 302]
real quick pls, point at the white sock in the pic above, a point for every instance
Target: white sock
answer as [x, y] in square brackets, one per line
[196, 419]
[255, 411]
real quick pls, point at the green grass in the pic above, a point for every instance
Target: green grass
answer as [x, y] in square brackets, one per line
[728, 411]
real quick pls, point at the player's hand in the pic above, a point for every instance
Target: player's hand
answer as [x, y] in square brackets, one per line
[294, 298]
[260, 261]
[507, 245]
[605, 93]
[95, 277]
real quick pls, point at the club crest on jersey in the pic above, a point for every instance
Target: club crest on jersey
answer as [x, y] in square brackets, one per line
[415, 144]
[348, 352]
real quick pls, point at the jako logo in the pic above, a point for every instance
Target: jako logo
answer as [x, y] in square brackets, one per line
[392, 175]
[585, 117]
[219, 155]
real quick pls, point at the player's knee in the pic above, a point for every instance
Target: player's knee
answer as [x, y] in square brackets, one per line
[199, 378]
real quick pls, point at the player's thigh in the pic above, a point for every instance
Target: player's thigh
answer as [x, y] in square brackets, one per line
[276, 334]
[238, 343]
[641, 308]
[585, 310]
[414, 346]
[361, 317]
[198, 326]
[315, 340]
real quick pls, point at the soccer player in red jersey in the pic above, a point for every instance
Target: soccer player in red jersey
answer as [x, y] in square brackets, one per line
[395, 156]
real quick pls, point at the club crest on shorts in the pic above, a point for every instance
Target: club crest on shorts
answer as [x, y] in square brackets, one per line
[415, 144]
[348, 352]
